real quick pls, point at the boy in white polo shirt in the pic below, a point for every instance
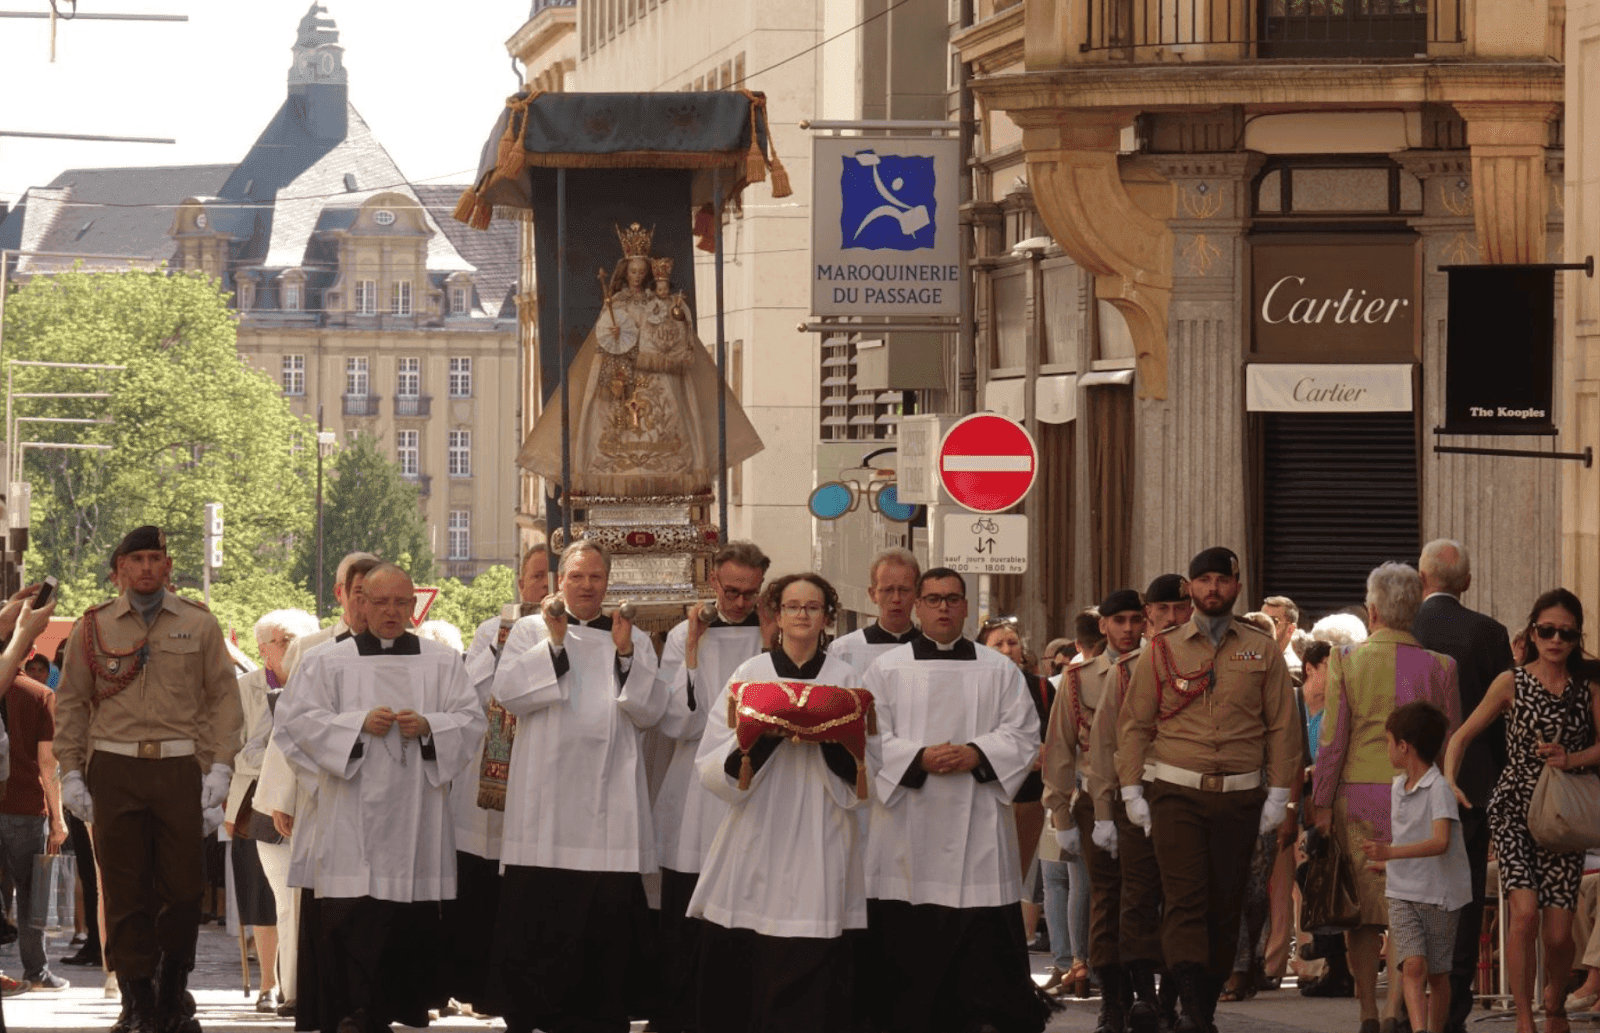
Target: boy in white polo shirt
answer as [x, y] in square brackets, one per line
[1426, 861]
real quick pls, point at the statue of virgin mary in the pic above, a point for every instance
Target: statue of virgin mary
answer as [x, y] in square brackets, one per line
[644, 393]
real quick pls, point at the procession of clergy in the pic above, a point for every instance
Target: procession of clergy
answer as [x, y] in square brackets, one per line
[834, 833]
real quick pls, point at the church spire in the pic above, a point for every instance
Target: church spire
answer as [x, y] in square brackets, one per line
[318, 57]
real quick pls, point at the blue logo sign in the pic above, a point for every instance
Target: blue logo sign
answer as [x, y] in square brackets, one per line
[887, 202]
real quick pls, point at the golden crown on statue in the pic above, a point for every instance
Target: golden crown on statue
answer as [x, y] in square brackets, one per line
[635, 240]
[661, 268]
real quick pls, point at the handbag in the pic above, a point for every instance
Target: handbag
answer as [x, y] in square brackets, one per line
[250, 823]
[1564, 813]
[1329, 898]
[52, 902]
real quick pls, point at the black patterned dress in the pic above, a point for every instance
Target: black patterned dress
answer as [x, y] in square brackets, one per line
[1537, 716]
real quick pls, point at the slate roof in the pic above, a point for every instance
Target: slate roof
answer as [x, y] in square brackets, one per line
[120, 211]
[493, 252]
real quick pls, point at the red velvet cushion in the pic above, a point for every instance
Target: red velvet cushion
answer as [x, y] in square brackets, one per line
[803, 710]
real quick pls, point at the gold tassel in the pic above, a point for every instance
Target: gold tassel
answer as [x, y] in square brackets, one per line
[872, 719]
[780, 175]
[861, 780]
[512, 158]
[733, 709]
[745, 772]
[464, 207]
[755, 164]
[482, 215]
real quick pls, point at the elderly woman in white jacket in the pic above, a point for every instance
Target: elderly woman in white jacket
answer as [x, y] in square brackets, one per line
[260, 855]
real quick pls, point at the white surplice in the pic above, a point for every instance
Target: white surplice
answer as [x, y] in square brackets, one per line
[478, 829]
[289, 779]
[383, 825]
[576, 796]
[788, 859]
[953, 841]
[861, 647]
[686, 815]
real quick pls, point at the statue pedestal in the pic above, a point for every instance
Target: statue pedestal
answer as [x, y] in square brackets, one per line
[660, 545]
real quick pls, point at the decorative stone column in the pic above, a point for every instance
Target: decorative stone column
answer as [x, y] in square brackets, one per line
[1511, 192]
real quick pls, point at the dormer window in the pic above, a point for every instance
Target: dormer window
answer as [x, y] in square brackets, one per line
[458, 300]
[247, 296]
[383, 217]
[291, 297]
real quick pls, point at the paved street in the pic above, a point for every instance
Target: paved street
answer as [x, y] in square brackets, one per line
[224, 1008]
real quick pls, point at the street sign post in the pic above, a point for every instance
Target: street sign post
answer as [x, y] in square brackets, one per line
[987, 463]
[986, 544]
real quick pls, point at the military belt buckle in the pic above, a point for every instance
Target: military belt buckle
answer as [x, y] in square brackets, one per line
[1212, 783]
[150, 749]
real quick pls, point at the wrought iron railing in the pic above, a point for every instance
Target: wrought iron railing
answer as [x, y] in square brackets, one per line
[423, 481]
[413, 405]
[361, 405]
[1273, 28]
[539, 5]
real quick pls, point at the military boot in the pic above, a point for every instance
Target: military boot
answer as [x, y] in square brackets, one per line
[1192, 994]
[1167, 1002]
[175, 1006]
[138, 1007]
[1113, 999]
[1142, 1014]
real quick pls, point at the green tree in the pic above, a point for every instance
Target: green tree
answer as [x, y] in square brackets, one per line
[367, 506]
[187, 423]
[467, 606]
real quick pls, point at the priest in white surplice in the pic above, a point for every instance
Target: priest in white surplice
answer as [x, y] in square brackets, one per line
[389, 720]
[785, 875]
[960, 733]
[892, 587]
[695, 665]
[573, 918]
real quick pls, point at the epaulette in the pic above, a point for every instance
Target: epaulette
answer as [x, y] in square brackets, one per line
[1169, 629]
[1242, 624]
[99, 606]
[1080, 664]
[1128, 657]
[191, 602]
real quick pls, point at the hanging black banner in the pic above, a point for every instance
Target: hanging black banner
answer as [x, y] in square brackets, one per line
[1500, 350]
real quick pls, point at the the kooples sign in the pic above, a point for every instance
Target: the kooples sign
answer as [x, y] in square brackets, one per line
[1334, 299]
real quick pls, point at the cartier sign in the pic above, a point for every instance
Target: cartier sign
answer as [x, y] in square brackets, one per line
[1334, 299]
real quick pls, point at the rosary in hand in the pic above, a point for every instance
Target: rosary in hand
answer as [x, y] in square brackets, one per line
[412, 726]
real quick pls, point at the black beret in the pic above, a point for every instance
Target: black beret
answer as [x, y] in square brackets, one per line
[1120, 601]
[138, 540]
[1167, 588]
[1216, 560]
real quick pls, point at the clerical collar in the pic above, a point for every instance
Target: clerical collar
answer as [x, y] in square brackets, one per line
[925, 648]
[600, 623]
[751, 620]
[784, 667]
[147, 604]
[1214, 627]
[368, 644]
[876, 634]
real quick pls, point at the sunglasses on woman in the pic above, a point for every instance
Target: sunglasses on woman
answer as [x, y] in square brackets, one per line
[1550, 631]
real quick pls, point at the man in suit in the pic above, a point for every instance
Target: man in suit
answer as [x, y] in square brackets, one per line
[1482, 649]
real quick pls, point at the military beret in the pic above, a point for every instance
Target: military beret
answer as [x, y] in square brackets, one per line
[1167, 588]
[138, 540]
[1120, 601]
[1216, 560]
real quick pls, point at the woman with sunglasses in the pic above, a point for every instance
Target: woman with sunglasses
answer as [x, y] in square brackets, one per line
[1552, 713]
[784, 878]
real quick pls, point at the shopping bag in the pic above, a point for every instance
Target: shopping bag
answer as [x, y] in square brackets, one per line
[1564, 813]
[53, 898]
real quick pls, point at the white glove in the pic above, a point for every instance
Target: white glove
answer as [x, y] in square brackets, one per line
[1105, 836]
[214, 789]
[211, 819]
[1138, 810]
[1274, 810]
[75, 797]
[1069, 841]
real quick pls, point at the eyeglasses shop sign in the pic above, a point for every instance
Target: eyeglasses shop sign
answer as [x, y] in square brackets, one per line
[885, 226]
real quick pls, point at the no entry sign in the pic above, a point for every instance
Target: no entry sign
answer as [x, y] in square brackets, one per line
[987, 462]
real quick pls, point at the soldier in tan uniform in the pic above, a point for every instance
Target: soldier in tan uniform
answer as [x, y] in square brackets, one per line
[1081, 821]
[1211, 710]
[149, 721]
[1166, 602]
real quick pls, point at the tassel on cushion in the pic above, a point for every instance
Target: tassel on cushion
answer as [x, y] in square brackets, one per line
[861, 780]
[746, 773]
[872, 719]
